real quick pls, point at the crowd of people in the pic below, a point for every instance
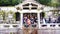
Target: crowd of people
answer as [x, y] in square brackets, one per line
[29, 18]
[49, 19]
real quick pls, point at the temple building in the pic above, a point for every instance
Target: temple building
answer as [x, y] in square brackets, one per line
[29, 15]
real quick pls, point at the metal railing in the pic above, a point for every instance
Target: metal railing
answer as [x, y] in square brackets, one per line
[21, 31]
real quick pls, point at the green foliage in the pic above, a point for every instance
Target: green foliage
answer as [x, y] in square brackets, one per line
[44, 2]
[53, 3]
[3, 14]
[9, 2]
[10, 32]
